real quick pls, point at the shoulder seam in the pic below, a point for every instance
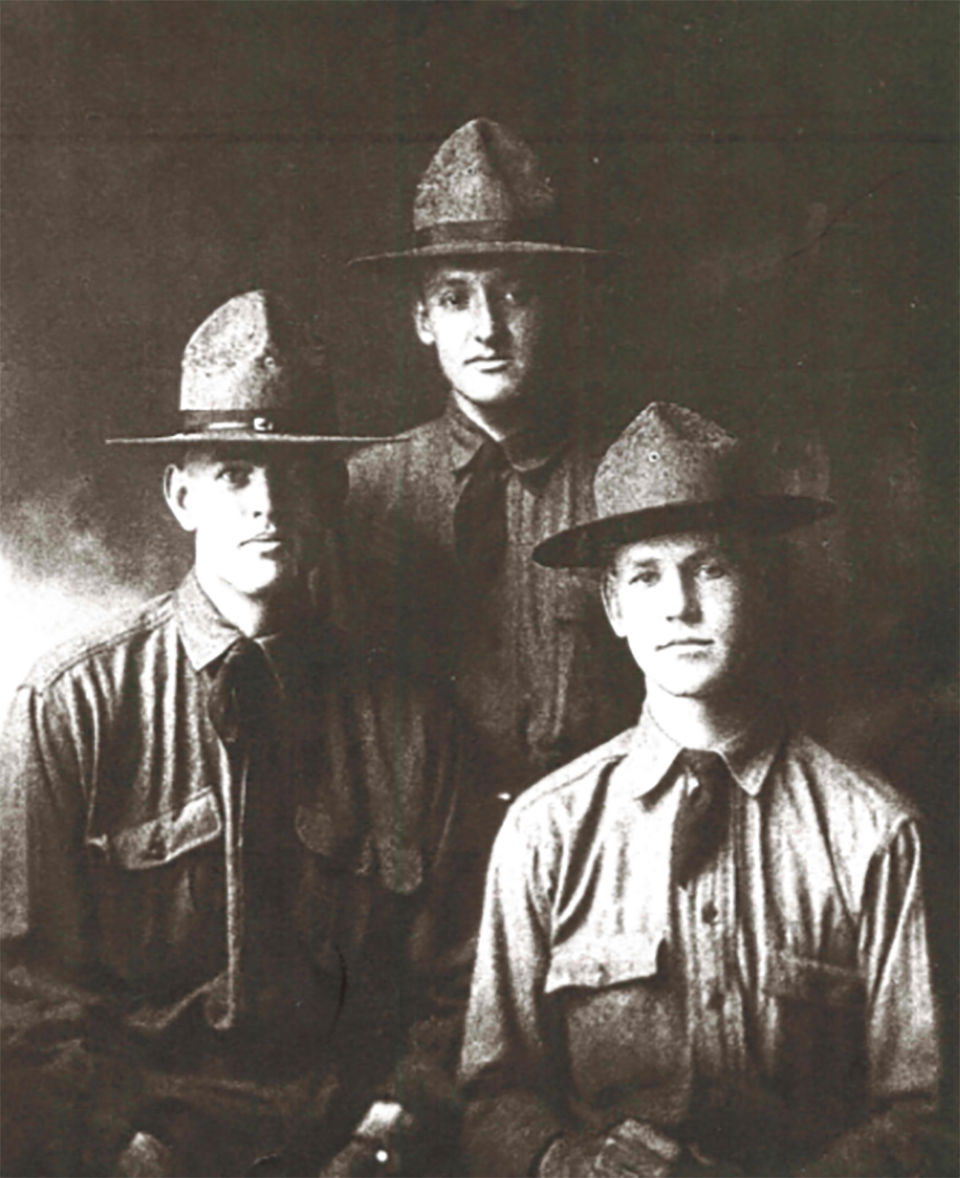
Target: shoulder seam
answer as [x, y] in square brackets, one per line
[150, 619]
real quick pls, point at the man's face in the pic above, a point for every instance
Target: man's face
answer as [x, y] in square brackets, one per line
[487, 323]
[688, 608]
[257, 515]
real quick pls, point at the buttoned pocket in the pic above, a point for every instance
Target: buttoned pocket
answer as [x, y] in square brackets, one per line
[169, 835]
[160, 894]
[400, 869]
[596, 963]
[818, 1025]
[618, 1013]
[805, 980]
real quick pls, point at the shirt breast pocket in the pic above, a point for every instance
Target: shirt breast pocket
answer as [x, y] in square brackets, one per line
[347, 882]
[160, 891]
[820, 1031]
[618, 1015]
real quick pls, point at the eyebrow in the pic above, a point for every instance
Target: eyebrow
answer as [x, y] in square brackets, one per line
[707, 552]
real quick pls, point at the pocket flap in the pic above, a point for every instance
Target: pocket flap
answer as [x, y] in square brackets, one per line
[166, 837]
[607, 962]
[803, 979]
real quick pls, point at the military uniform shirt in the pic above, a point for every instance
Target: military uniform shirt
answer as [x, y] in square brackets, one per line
[534, 667]
[776, 1002]
[124, 933]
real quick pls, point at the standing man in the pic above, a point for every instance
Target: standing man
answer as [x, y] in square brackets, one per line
[703, 947]
[229, 851]
[442, 528]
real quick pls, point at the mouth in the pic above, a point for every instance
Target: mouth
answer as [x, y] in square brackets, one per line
[265, 542]
[490, 363]
[682, 644]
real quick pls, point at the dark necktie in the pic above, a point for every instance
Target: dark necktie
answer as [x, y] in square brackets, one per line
[701, 819]
[243, 707]
[480, 519]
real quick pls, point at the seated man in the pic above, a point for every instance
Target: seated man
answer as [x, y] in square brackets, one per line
[703, 948]
[230, 871]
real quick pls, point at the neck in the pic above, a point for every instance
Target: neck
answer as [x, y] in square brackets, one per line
[255, 617]
[704, 723]
[499, 421]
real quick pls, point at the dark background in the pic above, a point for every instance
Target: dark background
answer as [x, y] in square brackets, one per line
[783, 177]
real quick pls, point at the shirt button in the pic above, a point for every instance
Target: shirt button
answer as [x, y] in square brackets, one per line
[709, 912]
[715, 1001]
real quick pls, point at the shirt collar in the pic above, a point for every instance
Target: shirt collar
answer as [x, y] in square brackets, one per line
[527, 450]
[748, 755]
[205, 632]
[207, 635]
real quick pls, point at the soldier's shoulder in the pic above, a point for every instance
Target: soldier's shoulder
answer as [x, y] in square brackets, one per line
[572, 785]
[101, 642]
[374, 463]
[851, 796]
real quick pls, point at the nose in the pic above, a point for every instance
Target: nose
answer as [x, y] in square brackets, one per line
[681, 596]
[264, 494]
[487, 317]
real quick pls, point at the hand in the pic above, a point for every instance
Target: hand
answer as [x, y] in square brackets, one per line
[360, 1159]
[632, 1149]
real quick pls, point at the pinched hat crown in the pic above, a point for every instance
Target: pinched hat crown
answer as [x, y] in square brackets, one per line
[484, 192]
[671, 471]
[482, 174]
[250, 354]
[252, 371]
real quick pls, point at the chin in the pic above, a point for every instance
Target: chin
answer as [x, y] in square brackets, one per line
[492, 393]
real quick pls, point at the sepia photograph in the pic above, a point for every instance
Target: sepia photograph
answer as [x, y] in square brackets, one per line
[479, 588]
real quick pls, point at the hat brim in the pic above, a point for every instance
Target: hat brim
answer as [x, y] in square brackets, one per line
[590, 545]
[239, 437]
[461, 249]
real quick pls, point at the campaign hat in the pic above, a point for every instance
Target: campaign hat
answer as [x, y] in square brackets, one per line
[484, 194]
[673, 471]
[254, 372]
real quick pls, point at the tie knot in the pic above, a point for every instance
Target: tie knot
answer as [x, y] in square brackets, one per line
[709, 768]
[242, 691]
[490, 457]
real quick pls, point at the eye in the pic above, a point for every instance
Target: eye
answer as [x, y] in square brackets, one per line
[712, 570]
[234, 474]
[644, 576]
[452, 300]
[518, 295]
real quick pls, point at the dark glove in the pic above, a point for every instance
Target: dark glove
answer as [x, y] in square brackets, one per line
[632, 1149]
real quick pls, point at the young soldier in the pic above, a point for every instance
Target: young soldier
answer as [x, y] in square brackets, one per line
[703, 948]
[229, 868]
[443, 527]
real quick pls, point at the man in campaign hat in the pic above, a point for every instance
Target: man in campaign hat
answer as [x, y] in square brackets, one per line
[231, 860]
[442, 528]
[703, 948]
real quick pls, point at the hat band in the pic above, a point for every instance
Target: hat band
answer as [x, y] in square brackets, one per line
[258, 421]
[450, 232]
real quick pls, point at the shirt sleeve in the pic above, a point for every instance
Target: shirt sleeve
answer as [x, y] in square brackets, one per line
[901, 1033]
[506, 1070]
[70, 1093]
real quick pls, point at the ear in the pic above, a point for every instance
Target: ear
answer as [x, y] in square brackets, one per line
[422, 323]
[610, 595]
[176, 491]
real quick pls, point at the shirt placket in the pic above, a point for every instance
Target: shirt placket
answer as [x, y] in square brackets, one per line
[707, 927]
